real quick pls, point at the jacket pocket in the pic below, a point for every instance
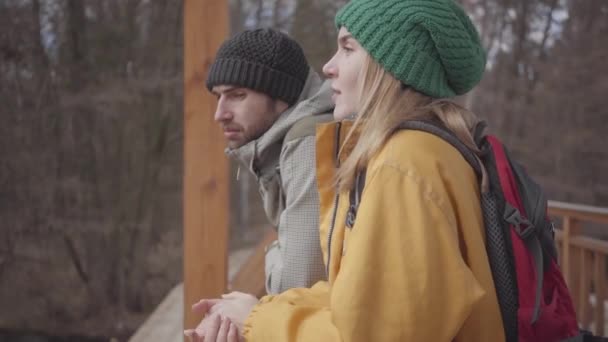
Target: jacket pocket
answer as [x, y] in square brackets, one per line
[272, 197]
[273, 268]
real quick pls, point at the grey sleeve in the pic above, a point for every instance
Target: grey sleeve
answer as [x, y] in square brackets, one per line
[299, 250]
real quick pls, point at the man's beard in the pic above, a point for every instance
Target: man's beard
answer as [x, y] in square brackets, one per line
[253, 132]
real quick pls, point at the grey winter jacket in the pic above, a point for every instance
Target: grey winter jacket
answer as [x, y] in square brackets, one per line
[285, 173]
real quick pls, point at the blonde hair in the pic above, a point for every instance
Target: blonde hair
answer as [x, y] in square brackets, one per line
[384, 105]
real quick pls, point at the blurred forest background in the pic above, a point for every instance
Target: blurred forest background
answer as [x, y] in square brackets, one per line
[91, 139]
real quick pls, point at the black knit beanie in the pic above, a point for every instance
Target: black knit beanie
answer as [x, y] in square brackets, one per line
[263, 60]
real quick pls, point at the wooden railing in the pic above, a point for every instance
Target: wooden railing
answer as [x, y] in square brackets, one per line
[583, 261]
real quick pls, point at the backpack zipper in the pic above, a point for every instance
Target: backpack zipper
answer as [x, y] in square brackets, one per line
[336, 198]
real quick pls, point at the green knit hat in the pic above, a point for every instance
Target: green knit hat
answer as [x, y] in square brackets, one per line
[430, 45]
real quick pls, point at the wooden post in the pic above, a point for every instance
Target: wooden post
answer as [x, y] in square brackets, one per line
[600, 290]
[571, 228]
[584, 285]
[205, 166]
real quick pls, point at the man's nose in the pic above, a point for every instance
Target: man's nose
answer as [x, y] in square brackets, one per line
[222, 112]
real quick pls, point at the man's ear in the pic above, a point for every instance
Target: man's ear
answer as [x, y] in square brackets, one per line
[280, 106]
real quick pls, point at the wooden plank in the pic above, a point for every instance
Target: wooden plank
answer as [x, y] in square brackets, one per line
[566, 248]
[205, 166]
[590, 244]
[578, 211]
[574, 285]
[583, 289]
[250, 278]
[165, 323]
[600, 292]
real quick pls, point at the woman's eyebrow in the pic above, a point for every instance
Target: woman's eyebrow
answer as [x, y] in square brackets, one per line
[345, 38]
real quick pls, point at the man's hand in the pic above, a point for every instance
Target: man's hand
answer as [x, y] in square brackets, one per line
[213, 328]
[235, 306]
[224, 318]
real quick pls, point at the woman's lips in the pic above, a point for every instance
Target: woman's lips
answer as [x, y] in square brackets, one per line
[335, 94]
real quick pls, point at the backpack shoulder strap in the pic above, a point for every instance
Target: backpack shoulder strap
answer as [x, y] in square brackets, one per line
[354, 198]
[306, 126]
[425, 126]
[438, 130]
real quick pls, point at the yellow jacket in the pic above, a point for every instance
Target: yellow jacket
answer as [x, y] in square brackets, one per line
[413, 267]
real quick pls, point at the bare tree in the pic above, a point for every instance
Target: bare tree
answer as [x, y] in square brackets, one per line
[77, 28]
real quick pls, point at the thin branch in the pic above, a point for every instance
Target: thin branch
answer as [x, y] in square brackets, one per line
[542, 51]
[73, 253]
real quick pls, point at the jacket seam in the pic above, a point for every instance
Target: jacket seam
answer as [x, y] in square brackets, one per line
[292, 152]
[425, 187]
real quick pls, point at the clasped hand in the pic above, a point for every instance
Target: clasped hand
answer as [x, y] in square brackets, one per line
[224, 318]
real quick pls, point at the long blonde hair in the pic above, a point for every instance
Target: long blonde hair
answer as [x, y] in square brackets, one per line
[384, 105]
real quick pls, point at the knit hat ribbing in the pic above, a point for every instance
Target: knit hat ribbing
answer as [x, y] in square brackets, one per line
[263, 60]
[430, 45]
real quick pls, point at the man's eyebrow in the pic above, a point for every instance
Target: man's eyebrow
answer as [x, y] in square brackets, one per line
[227, 89]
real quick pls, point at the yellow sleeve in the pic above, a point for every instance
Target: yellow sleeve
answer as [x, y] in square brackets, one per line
[294, 315]
[402, 277]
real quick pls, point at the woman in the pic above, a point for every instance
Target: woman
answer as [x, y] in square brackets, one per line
[413, 266]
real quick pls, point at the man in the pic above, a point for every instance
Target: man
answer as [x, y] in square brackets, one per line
[269, 100]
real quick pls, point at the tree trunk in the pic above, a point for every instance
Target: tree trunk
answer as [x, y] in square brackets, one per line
[77, 43]
[40, 57]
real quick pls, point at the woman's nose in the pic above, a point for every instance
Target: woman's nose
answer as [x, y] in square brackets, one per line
[329, 69]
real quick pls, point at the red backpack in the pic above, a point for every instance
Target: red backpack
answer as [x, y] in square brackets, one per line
[534, 300]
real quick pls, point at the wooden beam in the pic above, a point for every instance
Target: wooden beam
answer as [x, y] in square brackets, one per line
[205, 183]
[579, 212]
[251, 278]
